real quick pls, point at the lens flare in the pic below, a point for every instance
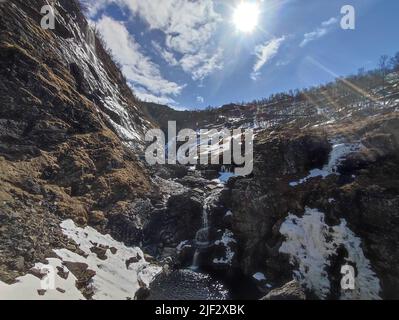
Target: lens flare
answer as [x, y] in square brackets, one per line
[246, 16]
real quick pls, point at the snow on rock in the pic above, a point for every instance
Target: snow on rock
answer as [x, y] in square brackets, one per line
[229, 214]
[82, 50]
[259, 276]
[114, 278]
[311, 243]
[337, 155]
[52, 286]
[182, 245]
[226, 241]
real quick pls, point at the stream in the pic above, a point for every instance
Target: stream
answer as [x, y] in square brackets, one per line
[197, 283]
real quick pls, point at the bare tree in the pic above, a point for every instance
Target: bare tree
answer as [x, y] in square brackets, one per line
[384, 68]
[395, 62]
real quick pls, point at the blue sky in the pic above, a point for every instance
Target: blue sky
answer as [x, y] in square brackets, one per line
[190, 54]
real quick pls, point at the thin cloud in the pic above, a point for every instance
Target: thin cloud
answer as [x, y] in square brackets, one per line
[200, 99]
[264, 53]
[165, 54]
[136, 66]
[324, 29]
[145, 95]
[202, 64]
[188, 26]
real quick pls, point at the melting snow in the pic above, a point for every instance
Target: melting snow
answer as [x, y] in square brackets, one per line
[227, 240]
[81, 50]
[228, 213]
[259, 276]
[337, 155]
[113, 279]
[26, 287]
[311, 243]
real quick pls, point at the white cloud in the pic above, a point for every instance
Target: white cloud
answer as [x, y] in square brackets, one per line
[200, 99]
[201, 64]
[136, 66]
[94, 6]
[165, 54]
[326, 27]
[329, 22]
[264, 53]
[144, 95]
[188, 26]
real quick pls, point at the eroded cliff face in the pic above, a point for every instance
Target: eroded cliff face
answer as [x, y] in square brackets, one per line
[319, 200]
[71, 134]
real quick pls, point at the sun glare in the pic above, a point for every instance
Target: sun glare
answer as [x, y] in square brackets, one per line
[246, 16]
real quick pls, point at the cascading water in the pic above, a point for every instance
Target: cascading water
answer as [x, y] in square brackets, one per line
[202, 236]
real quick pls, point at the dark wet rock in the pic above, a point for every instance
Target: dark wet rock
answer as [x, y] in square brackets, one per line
[193, 181]
[171, 171]
[179, 221]
[127, 220]
[41, 292]
[81, 84]
[142, 293]
[83, 275]
[132, 260]
[185, 254]
[100, 251]
[290, 153]
[62, 273]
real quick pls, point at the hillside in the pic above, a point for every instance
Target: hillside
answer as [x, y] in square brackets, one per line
[70, 135]
[80, 206]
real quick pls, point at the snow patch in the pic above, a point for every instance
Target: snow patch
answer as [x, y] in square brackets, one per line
[27, 287]
[337, 155]
[113, 280]
[226, 241]
[259, 276]
[311, 243]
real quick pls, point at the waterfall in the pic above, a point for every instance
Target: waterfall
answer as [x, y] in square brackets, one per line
[202, 236]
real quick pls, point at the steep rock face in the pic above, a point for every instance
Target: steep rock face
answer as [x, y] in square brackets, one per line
[179, 221]
[259, 203]
[354, 186]
[70, 132]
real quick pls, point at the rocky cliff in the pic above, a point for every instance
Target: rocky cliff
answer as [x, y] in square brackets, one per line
[318, 200]
[324, 192]
[70, 133]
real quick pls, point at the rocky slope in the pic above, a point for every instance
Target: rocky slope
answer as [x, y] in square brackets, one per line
[286, 223]
[324, 191]
[323, 194]
[70, 135]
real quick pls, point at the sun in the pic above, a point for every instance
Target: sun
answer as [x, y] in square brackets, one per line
[246, 16]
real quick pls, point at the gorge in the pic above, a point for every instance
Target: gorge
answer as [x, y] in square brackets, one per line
[79, 202]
